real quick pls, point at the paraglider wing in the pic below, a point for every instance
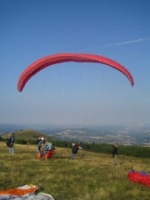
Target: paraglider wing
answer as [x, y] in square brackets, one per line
[68, 57]
[139, 177]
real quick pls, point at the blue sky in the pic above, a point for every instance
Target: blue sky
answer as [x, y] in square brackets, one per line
[75, 93]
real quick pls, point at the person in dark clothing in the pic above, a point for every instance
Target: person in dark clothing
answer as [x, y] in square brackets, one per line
[75, 148]
[115, 153]
[11, 144]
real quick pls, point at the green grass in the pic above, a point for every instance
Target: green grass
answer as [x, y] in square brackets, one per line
[91, 176]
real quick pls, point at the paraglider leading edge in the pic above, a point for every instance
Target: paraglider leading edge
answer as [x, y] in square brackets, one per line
[68, 57]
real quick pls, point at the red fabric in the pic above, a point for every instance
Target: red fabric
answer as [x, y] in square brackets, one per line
[48, 155]
[20, 191]
[139, 177]
[68, 57]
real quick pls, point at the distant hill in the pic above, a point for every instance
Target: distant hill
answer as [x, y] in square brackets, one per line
[27, 134]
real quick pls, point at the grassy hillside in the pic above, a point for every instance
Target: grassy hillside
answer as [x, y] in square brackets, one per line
[91, 176]
[27, 134]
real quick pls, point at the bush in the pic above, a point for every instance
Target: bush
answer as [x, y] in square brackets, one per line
[21, 141]
[1, 139]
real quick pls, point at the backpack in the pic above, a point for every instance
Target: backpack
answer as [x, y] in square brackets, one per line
[8, 141]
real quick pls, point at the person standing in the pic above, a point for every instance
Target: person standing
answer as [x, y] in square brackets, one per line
[115, 153]
[11, 143]
[75, 148]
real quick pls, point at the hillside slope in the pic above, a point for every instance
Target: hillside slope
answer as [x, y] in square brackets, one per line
[91, 176]
[27, 134]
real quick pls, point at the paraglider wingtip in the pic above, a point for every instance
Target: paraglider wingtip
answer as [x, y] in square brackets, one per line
[132, 83]
[19, 89]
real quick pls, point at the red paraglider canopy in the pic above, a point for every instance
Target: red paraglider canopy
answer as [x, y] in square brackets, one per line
[139, 177]
[68, 57]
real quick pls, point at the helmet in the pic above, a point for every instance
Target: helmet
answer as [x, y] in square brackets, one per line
[73, 144]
